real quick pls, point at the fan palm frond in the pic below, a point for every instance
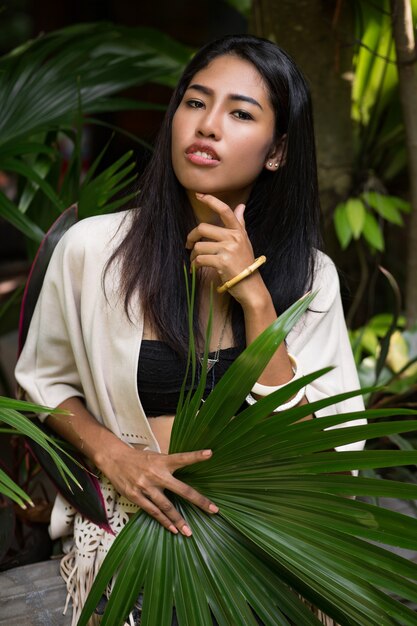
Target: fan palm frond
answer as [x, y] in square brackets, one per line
[285, 528]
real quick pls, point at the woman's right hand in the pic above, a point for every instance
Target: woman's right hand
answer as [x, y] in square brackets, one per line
[143, 475]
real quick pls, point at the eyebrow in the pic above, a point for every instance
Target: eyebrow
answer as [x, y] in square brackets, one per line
[233, 96]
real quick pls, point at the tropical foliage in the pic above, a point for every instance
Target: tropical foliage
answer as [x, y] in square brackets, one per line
[360, 217]
[54, 85]
[14, 421]
[286, 526]
[52, 89]
[380, 153]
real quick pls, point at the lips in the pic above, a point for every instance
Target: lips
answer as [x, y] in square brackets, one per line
[202, 154]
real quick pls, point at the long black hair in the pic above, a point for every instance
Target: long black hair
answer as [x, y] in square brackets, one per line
[281, 215]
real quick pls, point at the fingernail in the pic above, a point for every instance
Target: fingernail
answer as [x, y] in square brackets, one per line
[186, 531]
[200, 195]
[213, 508]
[207, 453]
[173, 529]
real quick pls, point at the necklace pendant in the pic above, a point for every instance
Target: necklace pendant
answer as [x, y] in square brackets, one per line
[210, 363]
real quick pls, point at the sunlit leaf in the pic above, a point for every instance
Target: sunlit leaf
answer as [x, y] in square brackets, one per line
[385, 206]
[342, 226]
[355, 214]
[372, 232]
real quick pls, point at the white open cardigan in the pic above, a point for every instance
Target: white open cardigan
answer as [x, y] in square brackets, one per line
[81, 343]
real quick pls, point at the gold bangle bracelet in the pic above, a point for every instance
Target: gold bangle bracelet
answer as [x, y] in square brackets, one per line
[243, 274]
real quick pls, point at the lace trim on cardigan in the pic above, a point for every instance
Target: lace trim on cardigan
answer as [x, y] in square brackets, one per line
[80, 565]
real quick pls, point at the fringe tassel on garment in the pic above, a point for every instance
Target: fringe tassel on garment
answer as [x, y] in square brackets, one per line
[81, 564]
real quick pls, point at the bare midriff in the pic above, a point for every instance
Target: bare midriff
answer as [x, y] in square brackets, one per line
[161, 427]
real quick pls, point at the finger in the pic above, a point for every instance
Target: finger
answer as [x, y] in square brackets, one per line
[204, 247]
[182, 459]
[208, 260]
[168, 510]
[206, 231]
[222, 209]
[239, 213]
[193, 496]
[152, 509]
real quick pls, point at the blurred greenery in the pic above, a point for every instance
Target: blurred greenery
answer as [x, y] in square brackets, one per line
[51, 88]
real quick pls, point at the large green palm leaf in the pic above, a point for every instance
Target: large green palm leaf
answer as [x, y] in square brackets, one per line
[285, 526]
[41, 83]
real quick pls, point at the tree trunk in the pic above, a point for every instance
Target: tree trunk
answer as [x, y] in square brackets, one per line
[402, 24]
[311, 31]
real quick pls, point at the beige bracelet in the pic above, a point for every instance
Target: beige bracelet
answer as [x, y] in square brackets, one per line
[243, 274]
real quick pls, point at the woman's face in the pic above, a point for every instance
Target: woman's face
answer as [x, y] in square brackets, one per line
[223, 130]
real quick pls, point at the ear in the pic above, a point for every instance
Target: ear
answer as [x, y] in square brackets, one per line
[277, 155]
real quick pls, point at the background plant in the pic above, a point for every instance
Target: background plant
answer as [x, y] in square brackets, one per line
[51, 89]
[14, 421]
[56, 84]
[369, 212]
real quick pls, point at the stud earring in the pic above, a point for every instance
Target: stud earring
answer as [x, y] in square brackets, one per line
[276, 164]
[270, 163]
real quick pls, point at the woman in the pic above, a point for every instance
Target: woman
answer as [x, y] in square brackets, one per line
[233, 177]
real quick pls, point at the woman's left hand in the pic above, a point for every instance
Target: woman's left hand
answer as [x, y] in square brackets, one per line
[227, 249]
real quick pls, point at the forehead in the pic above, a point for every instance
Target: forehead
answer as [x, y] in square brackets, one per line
[229, 74]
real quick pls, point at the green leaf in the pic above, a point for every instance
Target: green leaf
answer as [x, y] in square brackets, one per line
[342, 226]
[25, 427]
[56, 83]
[96, 193]
[385, 206]
[31, 174]
[158, 591]
[372, 232]
[9, 488]
[10, 212]
[25, 148]
[234, 386]
[120, 550]
[284, 527]
[355, 213]
[402, 204]
[39, 81]
[131, 578]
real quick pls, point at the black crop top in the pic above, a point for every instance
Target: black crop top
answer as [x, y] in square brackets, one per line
[161, 373]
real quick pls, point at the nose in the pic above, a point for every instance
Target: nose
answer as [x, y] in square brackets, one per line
[209, 125]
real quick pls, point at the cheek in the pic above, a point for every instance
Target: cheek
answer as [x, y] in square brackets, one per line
[253, 154]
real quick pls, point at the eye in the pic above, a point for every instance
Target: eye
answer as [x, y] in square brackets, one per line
[195, 104]
[242, 115]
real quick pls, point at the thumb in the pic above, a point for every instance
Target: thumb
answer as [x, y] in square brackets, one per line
[239, 213]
